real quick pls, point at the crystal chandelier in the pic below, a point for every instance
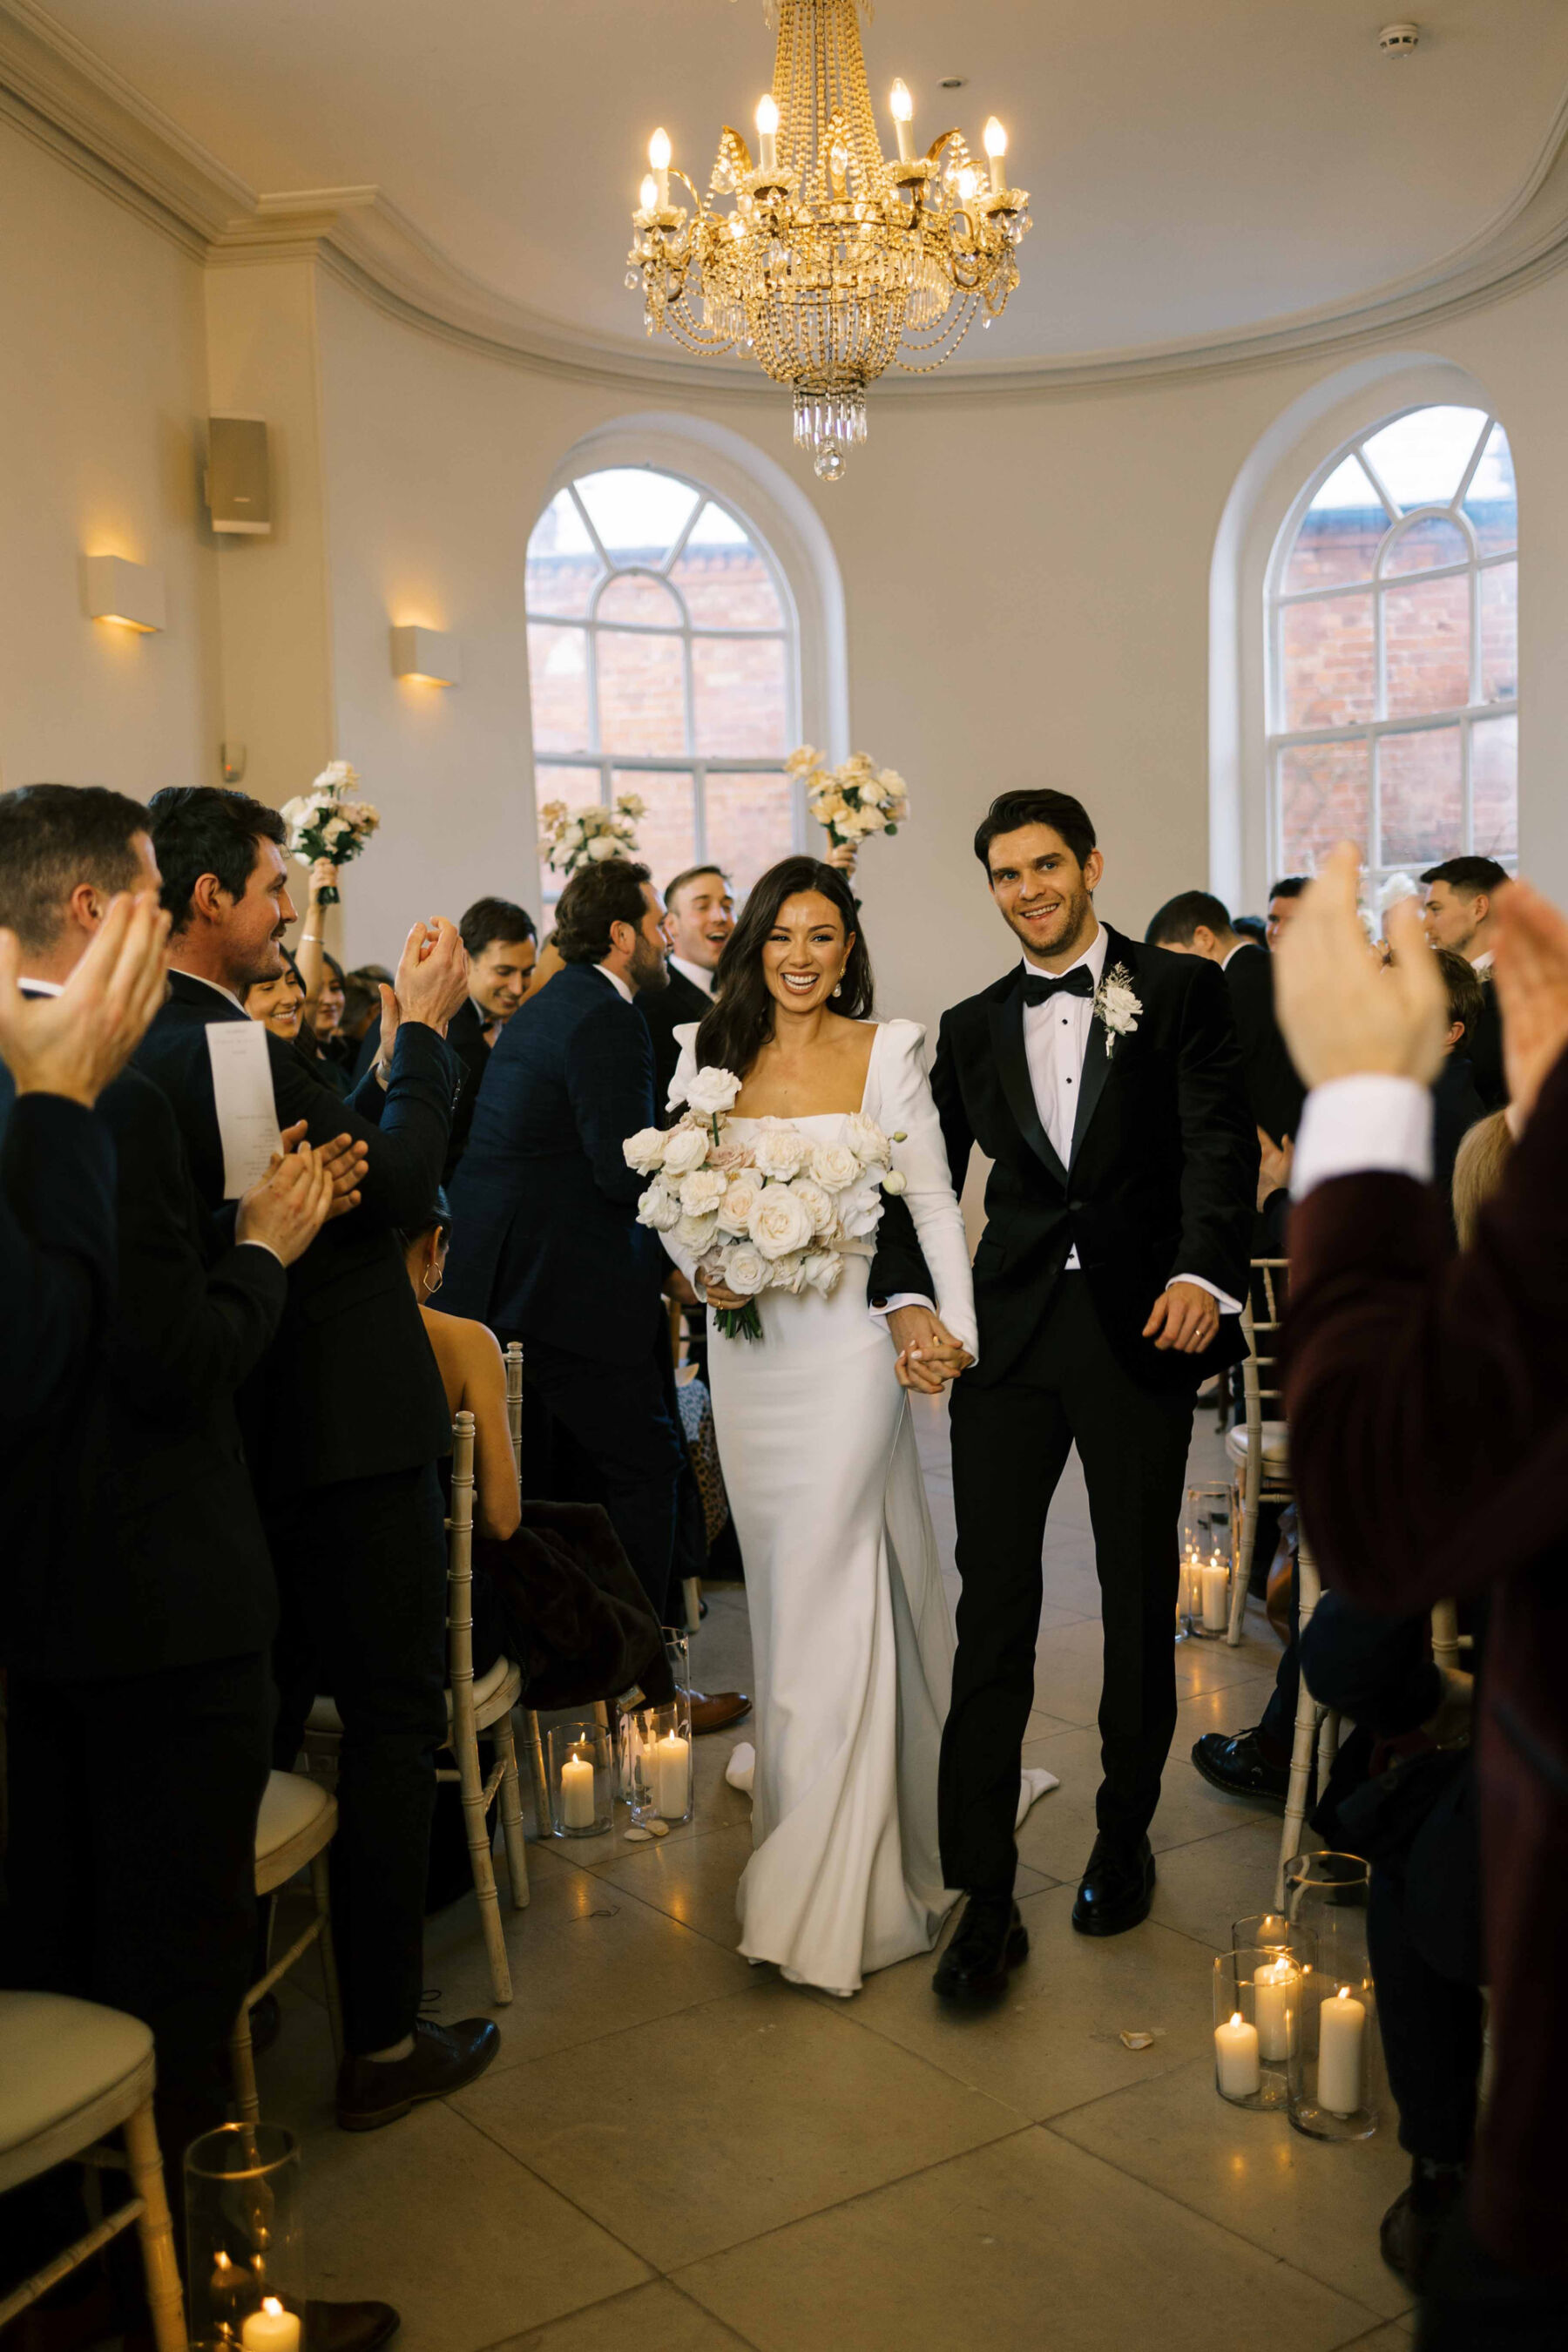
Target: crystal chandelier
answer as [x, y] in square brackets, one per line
[828, 260]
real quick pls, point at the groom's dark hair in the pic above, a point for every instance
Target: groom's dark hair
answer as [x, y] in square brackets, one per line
[1038, 806]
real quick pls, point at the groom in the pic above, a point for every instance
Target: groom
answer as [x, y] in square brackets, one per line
[1103, 1080]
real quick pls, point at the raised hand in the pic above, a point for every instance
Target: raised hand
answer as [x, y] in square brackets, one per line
[345, 1161]
[1341, 1013]
[287, 1208]
[1531, 967]
[1275, 1161]
[73, 1043]
[433, 976]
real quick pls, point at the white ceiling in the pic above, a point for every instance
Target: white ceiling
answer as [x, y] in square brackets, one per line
[1198, 167]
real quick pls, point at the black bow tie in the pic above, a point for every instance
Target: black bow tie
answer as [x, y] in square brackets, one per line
[1039, 989]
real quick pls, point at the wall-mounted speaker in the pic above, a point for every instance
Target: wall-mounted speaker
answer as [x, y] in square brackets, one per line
[238, 483]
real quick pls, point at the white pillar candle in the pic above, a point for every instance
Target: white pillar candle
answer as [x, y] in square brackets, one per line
[671, 1781]
[577, 1793]
[1342, 2031]
[1216, 1596]
[1276, 2003]
[1235, 2058]
[270, 2329]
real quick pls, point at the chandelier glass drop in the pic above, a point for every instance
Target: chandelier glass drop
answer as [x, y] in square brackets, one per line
[827, 259]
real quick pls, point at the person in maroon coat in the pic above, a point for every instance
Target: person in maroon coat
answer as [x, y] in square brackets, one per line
[1427, 1399]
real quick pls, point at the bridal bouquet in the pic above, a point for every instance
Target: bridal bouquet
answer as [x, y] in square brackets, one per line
[777, 1212]
[328, 822]
[569, 837]
[850, 802]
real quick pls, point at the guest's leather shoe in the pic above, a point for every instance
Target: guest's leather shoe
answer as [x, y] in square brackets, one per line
[1116, 1889]
[349, 2326]
[376, 2091]
[989, 1939]
[718, 1713]
[1237, 1764]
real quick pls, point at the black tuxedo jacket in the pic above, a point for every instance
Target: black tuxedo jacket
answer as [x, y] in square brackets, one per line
[1161, 1181]
[56, 1254]
[1485, 1048]
[466, 1039]
[351, 1389]
[665, 1010]
[1274, 1093]
[545, 1239]
[137, 1545]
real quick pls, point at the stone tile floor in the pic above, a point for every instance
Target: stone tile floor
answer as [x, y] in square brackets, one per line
[678, 2151]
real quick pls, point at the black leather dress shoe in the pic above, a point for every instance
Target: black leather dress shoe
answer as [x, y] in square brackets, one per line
[1237, 1764]
[1116, 1889]
[349, 2326]
[376, 2091]
[989, 1939]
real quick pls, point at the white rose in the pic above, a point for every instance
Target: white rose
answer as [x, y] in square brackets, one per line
[660, 1208]
[799, 761]
[789, 1273]
[684, 1148]
[603, 846]
[740, 1198]
[818, 1203]
[696, 1234]
[823, 1271]
[865, 1138]
[859, 1211]
[871, 790]
[712, 1090]
[335, 828]
[292, 811]
[701, 1192]
[779, 1224]
[645, 1149]
[780, 1152]
[744, 1271]
[834, 1165]
[872, 820]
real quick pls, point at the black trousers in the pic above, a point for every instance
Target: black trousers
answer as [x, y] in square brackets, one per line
[131, 1874]
[361, 1575]
[1473, 2303]
[1010, 1445]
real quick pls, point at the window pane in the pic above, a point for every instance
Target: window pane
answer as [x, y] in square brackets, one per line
[1421, 458]
[1325, 797]
[562, 564]
[579, 788]
[751, 824]
[635, 597]
[1421, 797]
[1491, 502]
[667, 831]
[642, 693]
[728, 587]
[1500, 632]
[1329, 662]
[1340, 532]
[638, 514]
[1427, 648]
[1494, 787]
[558, 687]
[738, 694]
[1425, 545]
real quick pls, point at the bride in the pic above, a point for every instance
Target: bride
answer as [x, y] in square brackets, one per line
[851, 1629]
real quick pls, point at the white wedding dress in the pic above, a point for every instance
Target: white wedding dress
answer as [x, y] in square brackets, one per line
[852, 1635]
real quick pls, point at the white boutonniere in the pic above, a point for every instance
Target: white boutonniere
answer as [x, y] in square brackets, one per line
[1116, 1006]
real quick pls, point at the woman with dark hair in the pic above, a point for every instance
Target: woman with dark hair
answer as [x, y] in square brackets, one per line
[851, 1629]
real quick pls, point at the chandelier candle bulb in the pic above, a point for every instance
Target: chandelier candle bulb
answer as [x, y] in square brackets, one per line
[1236, 2069]
[768, 134]
[649, 193]
[903, 107]
[997, 149]
[1342, 2029]
[658, 155]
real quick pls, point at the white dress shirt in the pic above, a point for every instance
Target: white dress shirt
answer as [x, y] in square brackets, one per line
[1357, 1126]
[1483, 962]
[695, 973]
[621, 987]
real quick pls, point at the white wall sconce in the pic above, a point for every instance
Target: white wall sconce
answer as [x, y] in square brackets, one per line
[129, 594]
[429, 654]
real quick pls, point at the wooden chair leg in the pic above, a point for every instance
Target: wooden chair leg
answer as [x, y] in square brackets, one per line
[320, 1891]
[511, 1795]
[1444, 1633]
[1309, 1592]
[535, 1744]
[1250, 1483]
[242, 2066]
[155, 2229]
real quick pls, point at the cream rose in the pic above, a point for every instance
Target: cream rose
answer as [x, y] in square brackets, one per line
[711, 1090]
[659, 1207]
[780, 1152]
[859, 1211]
[823, 1270]
[695, 1234]
[645, 1149]
[701, 1192]
[741, 1197]
[834, 1166]
[744, 1271]
[819, 1203]
[779, 1224]
[684, 1148]
[865, 1138]
[790, 1273]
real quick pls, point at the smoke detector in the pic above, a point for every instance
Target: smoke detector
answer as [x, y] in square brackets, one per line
[1398, 40]
[952, 81]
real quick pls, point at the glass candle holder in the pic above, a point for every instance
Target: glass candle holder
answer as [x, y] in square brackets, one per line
[1338, 2084]
[1259, 1995]
[581, 1777]
[245, 2236]
[677, 1653]
[655, 1764]
[1209, 1537]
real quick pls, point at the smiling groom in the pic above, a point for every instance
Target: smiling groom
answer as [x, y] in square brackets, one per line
[1103, 1080]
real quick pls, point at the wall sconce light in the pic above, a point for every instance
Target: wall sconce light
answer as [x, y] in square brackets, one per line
[428, 655]
[129, 594]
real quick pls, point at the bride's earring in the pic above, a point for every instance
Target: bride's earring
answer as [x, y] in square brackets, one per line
[839, 983]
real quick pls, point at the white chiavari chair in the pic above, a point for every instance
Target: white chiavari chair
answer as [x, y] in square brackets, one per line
[298, 1821]
[534, 1738]
[1257, 1447]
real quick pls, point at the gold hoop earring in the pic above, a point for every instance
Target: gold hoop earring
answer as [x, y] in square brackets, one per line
[431, 1288]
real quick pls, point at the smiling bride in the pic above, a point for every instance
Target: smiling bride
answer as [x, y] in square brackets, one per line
[851, 1631]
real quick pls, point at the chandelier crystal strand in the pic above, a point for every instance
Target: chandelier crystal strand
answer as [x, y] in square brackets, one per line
[827, 262]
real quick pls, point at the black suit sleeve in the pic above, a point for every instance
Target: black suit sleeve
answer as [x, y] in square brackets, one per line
[899, 1262]
[1275, 1093]
[58, 1250]
[609, 1080]
[1219, 1140]
[406, 1127]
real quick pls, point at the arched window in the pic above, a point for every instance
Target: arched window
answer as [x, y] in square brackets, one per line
[1393, 651]
[663, 661]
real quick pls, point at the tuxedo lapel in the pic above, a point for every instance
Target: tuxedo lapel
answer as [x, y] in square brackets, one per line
[1013, 1067]
[1097, 1058]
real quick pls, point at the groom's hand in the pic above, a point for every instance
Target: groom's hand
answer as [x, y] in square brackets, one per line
[927, 1354]
[1185, 1317]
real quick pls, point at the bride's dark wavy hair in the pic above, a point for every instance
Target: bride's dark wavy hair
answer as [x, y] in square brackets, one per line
[742, 1019]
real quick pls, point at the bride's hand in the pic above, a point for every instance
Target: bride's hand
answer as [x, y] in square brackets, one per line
[928, 1354]
[728, 1300]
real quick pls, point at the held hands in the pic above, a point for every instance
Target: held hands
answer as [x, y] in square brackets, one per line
[73, 1043]
[1186, 1318]
[287, 1209]
[1344, 1016]
[928, 1355]
[1531, 965]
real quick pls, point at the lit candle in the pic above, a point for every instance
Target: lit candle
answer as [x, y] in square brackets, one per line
[768, 132]
[997, 148]
[1235, 2058]
[270, 2329]
[903, 107]
[1276, 2001]
[1341, 2029]
[1216, 1594]
[577, 1791]
[671, 1777]
[658, 155]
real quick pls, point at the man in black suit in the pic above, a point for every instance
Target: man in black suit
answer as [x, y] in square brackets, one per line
[1460, 912]
[699, 917]
[503, 949]
[1198, 923]
[345, 1421]
[1104, 1081]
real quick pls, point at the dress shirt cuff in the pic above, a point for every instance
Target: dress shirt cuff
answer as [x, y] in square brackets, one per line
[900, 1299]
[252, 1242]
[1227, 1305]
[1352, 1127]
